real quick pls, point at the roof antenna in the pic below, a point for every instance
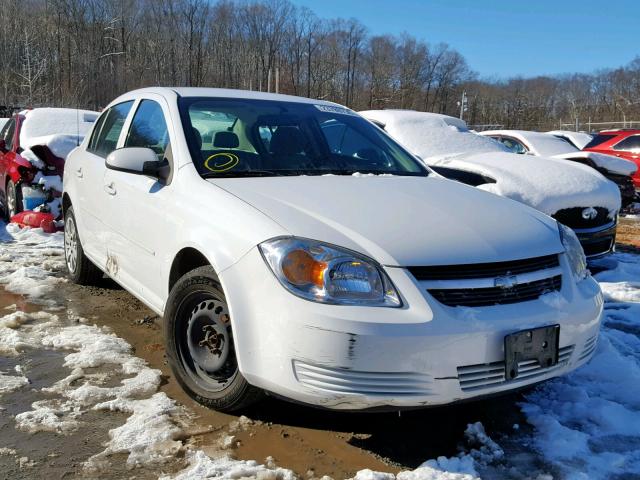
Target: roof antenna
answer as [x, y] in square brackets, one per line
[77, 125]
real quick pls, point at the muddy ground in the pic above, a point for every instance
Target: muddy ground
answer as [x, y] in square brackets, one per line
[309, 441]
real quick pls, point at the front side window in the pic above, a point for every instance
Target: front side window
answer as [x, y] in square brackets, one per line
[629, 144]
[513, 145]
[148, 128]
[245, 137]
[106, 133]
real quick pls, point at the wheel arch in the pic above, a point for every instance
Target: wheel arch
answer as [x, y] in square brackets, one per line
[187, 259]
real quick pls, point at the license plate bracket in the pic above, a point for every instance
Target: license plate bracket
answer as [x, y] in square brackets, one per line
[540, 344]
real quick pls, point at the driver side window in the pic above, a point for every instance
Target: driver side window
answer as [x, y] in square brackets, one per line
[514, 145]
[148, 128]
[7, 133]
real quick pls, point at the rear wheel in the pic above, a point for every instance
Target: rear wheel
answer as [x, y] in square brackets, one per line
[13, 203]
[81, 270]
[200, 345]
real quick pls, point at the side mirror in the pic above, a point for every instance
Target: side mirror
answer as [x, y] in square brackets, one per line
[3, 145]
[138, 161]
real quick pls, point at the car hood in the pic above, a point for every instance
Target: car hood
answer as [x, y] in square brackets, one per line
[608, 162]
[546, 184]
[401, 221]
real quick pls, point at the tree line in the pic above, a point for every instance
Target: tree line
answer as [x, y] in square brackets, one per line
[84, 53]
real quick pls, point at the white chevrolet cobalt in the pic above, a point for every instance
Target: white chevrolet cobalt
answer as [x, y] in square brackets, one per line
[294, 248]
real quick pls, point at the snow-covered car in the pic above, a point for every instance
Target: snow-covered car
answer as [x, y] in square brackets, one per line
[575, 195]
[33, 146]
[293, 247]
[577, 139]
[618, 170]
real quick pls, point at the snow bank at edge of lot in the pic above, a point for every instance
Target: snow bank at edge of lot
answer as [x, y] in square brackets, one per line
[588, 423]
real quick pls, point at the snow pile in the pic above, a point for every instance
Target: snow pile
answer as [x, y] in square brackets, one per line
[33, 159]
[588, 423]
[431, 134]
[29, 267]
[61, 129]
[48, 182]
[578, 139]
[545, 184]
[9, 383]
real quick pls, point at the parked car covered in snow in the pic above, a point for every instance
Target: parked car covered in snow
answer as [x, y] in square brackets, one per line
[573, 194]
[577, 139]
[623, 143]
[33, 147]
[617, 170]
[295, 248]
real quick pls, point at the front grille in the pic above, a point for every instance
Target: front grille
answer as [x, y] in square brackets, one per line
[340, 380]
[479, 297]
[484, 270]
[572, 217]
[485, 375]
[601, 246]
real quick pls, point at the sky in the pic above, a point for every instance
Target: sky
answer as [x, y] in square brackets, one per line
[501, 39]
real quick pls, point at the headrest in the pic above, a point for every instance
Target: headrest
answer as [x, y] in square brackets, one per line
[226, 140]
[287, 140]
[198, 137]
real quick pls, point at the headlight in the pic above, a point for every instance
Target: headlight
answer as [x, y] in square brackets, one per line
[328, 274]
[574, 251]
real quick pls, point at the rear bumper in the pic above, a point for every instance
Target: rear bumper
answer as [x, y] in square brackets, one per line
[598, 241]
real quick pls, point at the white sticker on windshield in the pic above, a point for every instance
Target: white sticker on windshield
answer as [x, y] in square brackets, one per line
[335, 109]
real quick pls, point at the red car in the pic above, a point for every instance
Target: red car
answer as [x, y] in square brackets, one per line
[33, 147]
[623, 143]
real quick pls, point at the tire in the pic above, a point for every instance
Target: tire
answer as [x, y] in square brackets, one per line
[81, 270]
[13, 200]
[200, 346]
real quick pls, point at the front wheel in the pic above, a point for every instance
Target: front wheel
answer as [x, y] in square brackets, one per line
[200, 345]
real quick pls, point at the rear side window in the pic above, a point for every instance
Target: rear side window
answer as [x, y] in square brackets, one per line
[104, 138]
[148, 128]
[598, 140]
[629, 144]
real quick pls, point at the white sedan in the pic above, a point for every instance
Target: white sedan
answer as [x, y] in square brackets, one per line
[618, 170]
[296, 249]
[574, 194]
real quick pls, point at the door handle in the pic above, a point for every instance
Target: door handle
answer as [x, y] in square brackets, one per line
[110, 189]
[79, 172]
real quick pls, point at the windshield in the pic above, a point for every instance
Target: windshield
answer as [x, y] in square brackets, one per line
[245, 137]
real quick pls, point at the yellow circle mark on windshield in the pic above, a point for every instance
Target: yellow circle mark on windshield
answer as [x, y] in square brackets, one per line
[231, 161]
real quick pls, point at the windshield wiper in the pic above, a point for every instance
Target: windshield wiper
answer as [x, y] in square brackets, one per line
[244, 173]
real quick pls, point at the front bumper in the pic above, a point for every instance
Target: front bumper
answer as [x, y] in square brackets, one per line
[598, 241]
[422, 354]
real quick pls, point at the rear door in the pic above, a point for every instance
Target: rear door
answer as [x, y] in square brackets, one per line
[89, 170]
[139, 206]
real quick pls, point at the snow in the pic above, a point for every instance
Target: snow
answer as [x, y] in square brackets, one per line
[9, 383]
[546, 184]
[61, 129]
[608, 162]
[32, 158]
[578, 139]
[48, 182]
[430, 134]
[3, 121]
[587, 424]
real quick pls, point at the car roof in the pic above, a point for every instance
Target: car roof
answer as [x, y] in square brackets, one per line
[620, 131]
[173, 92]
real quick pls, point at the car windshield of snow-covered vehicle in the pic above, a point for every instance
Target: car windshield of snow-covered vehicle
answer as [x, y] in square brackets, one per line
[244, 137]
